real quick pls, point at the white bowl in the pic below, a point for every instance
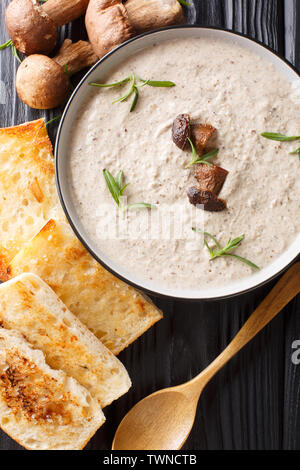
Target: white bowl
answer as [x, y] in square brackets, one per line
[101, 70]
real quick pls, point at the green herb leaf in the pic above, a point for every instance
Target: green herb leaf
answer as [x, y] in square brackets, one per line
[243, 260]
[279, 137]
[204, 159]
[296, 152]
[112, 186]
[135, 99]
[119, 178]
[110, 85]
[283, 138]
[141, 205]
[134, 86]
[56, 118]
[208, 235]
[128, 93]
[15, 53]
[159, 84]
[116, 190]
[8, 43]
[217, 251]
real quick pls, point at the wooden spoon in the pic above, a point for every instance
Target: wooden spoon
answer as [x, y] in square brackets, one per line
[163, 420]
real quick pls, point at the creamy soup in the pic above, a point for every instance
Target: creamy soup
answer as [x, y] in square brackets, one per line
[238, 93]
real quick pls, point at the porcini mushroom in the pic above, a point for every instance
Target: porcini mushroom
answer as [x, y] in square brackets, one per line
[43, 83]
[211, 177]
[111, 22]
[181, 130]
[209, 201]
[145, 15]
[32, 27]
[107, 25]
[200, 135]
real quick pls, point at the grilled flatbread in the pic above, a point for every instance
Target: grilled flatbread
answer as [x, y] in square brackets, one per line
[42, 408]
[30, 307]
[28, 195]
[115, 312]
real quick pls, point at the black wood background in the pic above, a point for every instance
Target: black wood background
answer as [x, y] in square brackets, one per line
[254, 403]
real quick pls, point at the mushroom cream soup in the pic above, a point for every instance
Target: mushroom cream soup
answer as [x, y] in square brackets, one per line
[217, 83]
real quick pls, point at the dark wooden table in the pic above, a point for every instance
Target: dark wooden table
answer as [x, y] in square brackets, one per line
[254, 403]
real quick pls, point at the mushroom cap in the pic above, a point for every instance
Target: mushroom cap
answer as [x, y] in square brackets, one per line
[181, 130]
[41, 83]
[31, 30]
[107, 25]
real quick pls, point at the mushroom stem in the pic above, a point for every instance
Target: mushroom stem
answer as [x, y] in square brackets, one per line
[32, 26]
[145, 15]
[76, 56]
[64, 11]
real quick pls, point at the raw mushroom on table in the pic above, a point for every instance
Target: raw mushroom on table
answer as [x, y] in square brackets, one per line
[109, 23]
[43, 83]
[32, 26]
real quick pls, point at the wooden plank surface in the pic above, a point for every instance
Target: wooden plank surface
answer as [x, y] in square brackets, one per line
[254, 402]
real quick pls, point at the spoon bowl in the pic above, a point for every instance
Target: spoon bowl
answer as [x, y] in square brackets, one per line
[169, 410]
[163, 421]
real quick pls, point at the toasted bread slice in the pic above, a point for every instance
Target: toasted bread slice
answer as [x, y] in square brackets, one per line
[30, 307]
[28, 195]
[115, 312]
[42, 408]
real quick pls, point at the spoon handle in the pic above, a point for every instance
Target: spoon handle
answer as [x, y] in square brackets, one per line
[283, 292]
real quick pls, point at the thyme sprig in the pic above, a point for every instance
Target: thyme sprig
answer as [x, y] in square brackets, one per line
[204, 158]
[283, 138]
[217, 251]
[135, 82]
[116, 189]
[10, 44]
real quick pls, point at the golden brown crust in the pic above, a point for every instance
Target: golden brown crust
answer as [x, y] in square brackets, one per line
[31, 30]
[42, 408]
[36, 190]
[41, 83]
[115, 312]
[27, 150]
[107, 25]
[34, 131]
[26, 392]
[4, 269]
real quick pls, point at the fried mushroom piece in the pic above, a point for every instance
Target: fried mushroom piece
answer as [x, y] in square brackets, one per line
[211, 178]
[200, 135]
[181, 130]
[207, 199]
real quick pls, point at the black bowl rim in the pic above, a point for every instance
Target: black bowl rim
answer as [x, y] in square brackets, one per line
[60, 192]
